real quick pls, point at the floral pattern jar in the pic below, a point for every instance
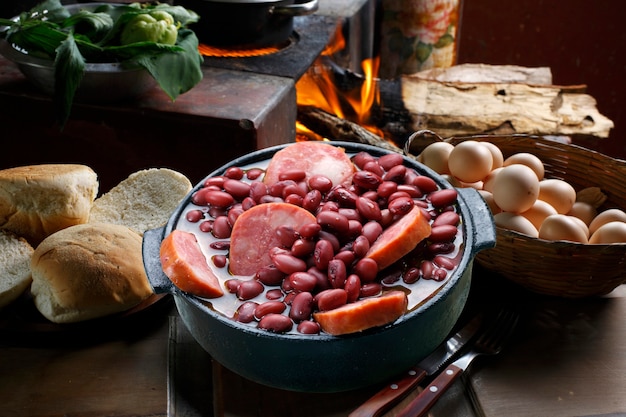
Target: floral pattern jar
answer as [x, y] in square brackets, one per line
[417, 35]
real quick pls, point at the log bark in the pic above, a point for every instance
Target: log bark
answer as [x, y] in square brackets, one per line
[502, 99]
[334, 128]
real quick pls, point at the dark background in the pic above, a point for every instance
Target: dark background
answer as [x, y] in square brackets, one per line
[583, 42]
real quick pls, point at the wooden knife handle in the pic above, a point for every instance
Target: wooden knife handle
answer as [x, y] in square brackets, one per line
[389, 396]
[420, 405]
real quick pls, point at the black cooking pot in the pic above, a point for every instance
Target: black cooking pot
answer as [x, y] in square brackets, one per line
[246, 23]
[324, 363]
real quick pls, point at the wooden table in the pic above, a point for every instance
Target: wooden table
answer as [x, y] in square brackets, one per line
[568, 357]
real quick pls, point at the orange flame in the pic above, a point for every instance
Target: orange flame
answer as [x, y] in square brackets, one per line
[317, 89]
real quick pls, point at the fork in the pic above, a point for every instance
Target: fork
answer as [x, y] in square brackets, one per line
[490, 342]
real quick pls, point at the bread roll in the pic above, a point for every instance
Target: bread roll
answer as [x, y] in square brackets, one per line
[88, 271]
[143, 201]
[38, 200]
[15, 276]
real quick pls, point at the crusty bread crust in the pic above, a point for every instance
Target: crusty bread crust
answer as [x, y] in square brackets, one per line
[88, 271]
[15, 276]
[38, 200]
[143, 201]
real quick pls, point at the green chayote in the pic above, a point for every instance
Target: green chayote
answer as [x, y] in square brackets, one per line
[157, 26]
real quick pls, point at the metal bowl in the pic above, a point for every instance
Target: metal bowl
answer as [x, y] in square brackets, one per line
[325, 363]
[101, 83]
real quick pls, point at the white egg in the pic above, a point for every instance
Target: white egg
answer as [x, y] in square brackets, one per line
[515, 188]
[515, 222]
[538, 213]
[611, 232]
[528, 159]
[435, 156]
[606, 216]
[470, 161]
[558, 193]
[562, 227]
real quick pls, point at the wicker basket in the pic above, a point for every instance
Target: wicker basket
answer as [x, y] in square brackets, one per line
[564, 269]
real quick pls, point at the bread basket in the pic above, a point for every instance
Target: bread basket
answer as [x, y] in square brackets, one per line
[558, 268]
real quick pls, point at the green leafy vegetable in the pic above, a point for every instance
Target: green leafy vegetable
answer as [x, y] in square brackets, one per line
[154, 37]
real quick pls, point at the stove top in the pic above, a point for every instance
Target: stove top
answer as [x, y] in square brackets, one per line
[311, 35]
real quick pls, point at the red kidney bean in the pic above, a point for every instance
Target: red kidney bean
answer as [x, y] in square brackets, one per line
[398, 194]
[219, 261]
[288, 263]
[439, 247]
[337, 273]
[245, 312]
[331, 299]
[302, 248]
[274, 306]
[269, 275]
[302, 281]
[221, 227]
[353, 287]
[270, 199]
[220, 245]
[286, 235]
[294, 199]
[321, 278]
[254, 173]
[217, 211]
[370, 195]
[343, 196]
[439, 274]
[366, 269]
[320, 183]
[345, 256]
[371, 289]
[443, 198]
[362, 158]
[425, 183]
[247, 203]
[388, 161]
[258, 190]
[386, 188]
[368, 209]
[274, 294]
[296, 189]
[411, 275]
[219, 198]
[289, 297]
[360, 246]
[427, 268]
[194, 216]
[249, 289]
[308, 327]
[217, 182]
[395, 174]
[323, 234]
[355, 228]
[446, 218]
[292, 174]
[301, 307]
[401, 206]
[232, 285]
[236, 188]
[366, 180]
[323, 253]
[387, 217]
[233, 213]
[311, 201]
[372, 230]
[234, 173]
[333, 221]
[277, 189]
[206, 226]
[444, 262]
[443, 233]
[197, 197]
[411, 190]
[276, 323]
[310, 231]
[374, 167]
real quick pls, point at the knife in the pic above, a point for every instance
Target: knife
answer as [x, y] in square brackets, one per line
[392, 393]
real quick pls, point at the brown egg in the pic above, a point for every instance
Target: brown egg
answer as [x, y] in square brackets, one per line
[606, 216]
[515, 222]
[470, 161]
[515, 188]
[488, 197]
[558, 193]
[528, 159]
[435, 156]
[584, 211]
[538, 212]
[562, 227]
[496, 154]
[611, 232]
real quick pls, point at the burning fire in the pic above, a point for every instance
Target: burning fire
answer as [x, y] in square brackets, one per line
[316, 88]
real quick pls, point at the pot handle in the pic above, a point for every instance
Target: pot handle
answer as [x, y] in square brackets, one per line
[151, 247]
[297, 9]
[484, 229]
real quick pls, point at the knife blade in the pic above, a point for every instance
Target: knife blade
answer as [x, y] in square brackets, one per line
[395, 391]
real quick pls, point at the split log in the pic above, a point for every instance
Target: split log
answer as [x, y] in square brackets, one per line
[484, 99]
[334, 128]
